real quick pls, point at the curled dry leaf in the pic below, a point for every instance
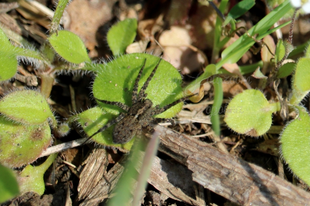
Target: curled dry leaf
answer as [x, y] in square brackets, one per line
[146, 31]
[85, 25]
[178, 50]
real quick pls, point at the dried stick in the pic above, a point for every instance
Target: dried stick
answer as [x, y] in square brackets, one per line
[231, 177]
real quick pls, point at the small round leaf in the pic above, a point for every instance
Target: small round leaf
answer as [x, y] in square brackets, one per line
[250, 113]
[69, 46]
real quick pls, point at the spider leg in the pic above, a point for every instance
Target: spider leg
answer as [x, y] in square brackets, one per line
[158, 110]
[142, 93]
[109, 124]
[134, 98]
[119, 104]
[160, 120]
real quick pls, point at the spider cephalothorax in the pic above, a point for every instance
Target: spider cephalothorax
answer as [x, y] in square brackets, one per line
[137, 117]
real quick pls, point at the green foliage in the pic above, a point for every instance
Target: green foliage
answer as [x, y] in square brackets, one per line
[27, 107]
[295, 144]
[18, 139]
[286, 70]
[9, 55]
[31, 178]
[25, 117]
[8, 61]
[125, 184]
[115, 82]
[307, 53]
[63, 129]
[295, 137]
[8, 184]
[239, 9]
[235, 51]
[69, 46]
[194, 85]
[93, 119]
[58, 14]
[218, 99]
[116, 79]
[121, 35]
[301, 83]
[280, 51]
[250, 113]
[26, 114]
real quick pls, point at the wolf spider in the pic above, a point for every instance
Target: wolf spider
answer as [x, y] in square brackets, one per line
[137, 117]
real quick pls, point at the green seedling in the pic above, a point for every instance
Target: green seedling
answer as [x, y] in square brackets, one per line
[250, 113]
[26, 114]
[31, 178]
[234, 52]
[115, 82]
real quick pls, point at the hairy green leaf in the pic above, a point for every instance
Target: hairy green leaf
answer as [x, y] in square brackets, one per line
[93, 119]
[26, 107]
[8, 61]
[116, 79]
[250, 113]
[301, 83]
[31, 178]
[18, 140]
[295, 146]
[69, 46]
[121, 35]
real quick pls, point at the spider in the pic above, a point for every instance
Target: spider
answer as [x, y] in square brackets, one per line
[137, 117]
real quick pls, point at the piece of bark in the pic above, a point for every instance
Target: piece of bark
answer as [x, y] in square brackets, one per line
[231, 177]
[173, 180]
[104, 187]
[93, 172]
[164, 176]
